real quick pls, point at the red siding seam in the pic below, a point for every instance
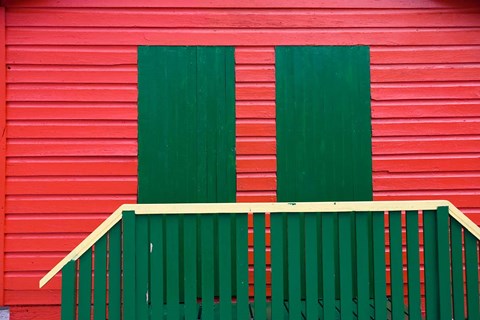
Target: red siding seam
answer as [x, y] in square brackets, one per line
[3, 145]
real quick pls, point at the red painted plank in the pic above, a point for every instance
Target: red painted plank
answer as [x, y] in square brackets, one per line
[256, 196]
[255, 73]
[45, 243]
[66, 204]
[71, 92]
[72, 55]
[126, 74]
[3, 145]
[31, 167]
[265, 146]
[72, 129]
[460, 200]
[234, 18]
[255, 109]
[423, 91]
[71, 111]
[255, 128]
[417, 182]
[37, 312]
[71, 185]
[424, 54]
[256, 182]
[252, 164]
[235, 4]
[428, 72]
[32, 262]
[426, 109]
[254, 91]
[160, 36]
[78, 147]
[425, 146]
[36, 299]
[53, 223]
[431, 164]
[443, 127]
[254, 55]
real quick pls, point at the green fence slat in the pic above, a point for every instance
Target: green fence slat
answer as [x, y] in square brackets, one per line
[190, 264]
[142, 250]
[100, 279]
[293, 265]
[85, 286]
[260, 266]
[413, 266]
[345, 263]
[114, 272]
[458, 283]
[431, 264]
[225, 265]
[129, 264]
[172, 261]
[69, 290]
[443, 246]
[396, 264]
[277, 250]
[328, 259]
[311, 265]
[157, 266]
[380, 286]
[471, 265]
[207, 257]
[243, 311]
[363, 265]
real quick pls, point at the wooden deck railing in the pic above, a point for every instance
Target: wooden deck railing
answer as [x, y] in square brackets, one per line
[358, 260]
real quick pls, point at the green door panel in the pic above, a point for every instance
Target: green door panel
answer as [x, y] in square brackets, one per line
[324, 137]
[186, 124]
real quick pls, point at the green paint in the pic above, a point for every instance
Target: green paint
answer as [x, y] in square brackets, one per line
[207, 264]
[329, 271]
[85, 286]
[443, 243]
[157, 266]
[259, 260]
[431, 264]
[190, 264]
[345, 262]
[396, 264]
[114, 272]
[311, 265]
[277, 251]
[69, 290]
[413, 266]
[457, 270]
[379, 267]
[225, 265]
[471, 266]
[142, 247]
[241, 251]
[100, 279]
[363, 265]
[186, 120]
[172, 260]
[128, 227]
[323, 129]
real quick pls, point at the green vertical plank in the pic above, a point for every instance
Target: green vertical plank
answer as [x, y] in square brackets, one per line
[363, 266]
[396, 264]
[458, 283]
[277, 259]
[431, 264]
[190, 268]
[311, 265]
[329, 272]
[85, 286]
[260, 267]
[225, 265]
[157, 266]
[345, 261]
[293, 256]
[380, 281]
[114, 272]
[207, 280]
[69, 291]
[100, 279]
[471, 265]
[413, 266]
[172, 226]
[443, 245]
[142, 252]
[242, 265]
[129, 264]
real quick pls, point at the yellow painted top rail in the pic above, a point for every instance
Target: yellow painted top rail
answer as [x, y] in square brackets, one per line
[271, 207]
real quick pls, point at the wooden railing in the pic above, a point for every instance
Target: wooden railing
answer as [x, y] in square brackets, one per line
[357, 260]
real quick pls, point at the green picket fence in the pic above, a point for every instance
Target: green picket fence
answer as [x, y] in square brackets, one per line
[362, 260]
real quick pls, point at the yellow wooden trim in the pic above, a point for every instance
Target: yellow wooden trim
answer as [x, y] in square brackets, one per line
[271, 207]
[86, 244]
[464, 220]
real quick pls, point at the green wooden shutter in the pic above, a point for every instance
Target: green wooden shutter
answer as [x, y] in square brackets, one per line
[186, 118]
[324, 130]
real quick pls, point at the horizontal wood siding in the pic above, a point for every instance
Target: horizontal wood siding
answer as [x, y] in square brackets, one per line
[72, 92]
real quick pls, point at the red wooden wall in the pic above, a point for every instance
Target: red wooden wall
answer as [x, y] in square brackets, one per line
[71, 107]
